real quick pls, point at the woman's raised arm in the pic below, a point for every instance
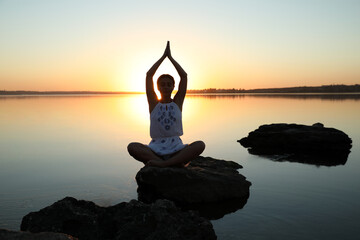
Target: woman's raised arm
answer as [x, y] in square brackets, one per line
[180, 95]
[150, 92]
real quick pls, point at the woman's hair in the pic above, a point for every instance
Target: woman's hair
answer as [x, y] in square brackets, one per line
[166, 76]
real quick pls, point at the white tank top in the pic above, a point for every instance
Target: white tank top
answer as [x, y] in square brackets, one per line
[166, 121]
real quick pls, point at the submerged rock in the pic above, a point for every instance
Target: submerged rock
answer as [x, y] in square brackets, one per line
[133, 220]
[17, 235]
[214, 187]
[314, 144]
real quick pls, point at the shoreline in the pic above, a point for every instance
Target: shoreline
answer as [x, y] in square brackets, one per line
[219, 94]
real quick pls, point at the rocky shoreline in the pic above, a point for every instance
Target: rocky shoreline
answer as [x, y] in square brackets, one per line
[127, 220]
[174, 203]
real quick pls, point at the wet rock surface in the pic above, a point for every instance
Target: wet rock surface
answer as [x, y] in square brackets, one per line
[314, 144]
[133, 220]
[211, 186]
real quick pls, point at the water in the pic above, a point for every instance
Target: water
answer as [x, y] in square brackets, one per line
[57, 146]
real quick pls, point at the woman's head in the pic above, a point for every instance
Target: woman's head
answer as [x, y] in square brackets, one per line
[165, 84]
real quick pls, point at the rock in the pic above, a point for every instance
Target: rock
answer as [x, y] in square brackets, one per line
[319, 125]
[17, 235]
[214, 187]
[314, 144]
[133, 220]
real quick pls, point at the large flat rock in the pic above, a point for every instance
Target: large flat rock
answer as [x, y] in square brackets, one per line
[133, 220]
[204, 184]
[314, 144]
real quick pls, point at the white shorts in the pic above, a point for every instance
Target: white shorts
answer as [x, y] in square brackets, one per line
[166, 145]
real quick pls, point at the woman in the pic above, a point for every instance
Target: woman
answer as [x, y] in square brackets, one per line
[166, 148]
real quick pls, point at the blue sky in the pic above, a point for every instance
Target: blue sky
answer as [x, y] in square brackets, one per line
[109, 45]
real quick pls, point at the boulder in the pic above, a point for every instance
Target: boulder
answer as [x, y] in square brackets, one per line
[213, 187]
[133, 220]
[17, 235]
[314, 144]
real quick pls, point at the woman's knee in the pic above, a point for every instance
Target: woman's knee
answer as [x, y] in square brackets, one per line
[133, 147]
[199, 145]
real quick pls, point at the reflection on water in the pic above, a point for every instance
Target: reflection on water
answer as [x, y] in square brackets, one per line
[317, 159]
[214, 211]
[57, 146]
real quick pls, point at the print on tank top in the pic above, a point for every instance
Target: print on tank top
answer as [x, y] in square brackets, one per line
[166, 116]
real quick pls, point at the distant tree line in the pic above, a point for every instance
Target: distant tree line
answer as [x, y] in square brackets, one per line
[319, 89]
[217, 90]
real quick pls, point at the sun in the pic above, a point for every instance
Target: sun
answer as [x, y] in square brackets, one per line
[166, 68]
[132, 78]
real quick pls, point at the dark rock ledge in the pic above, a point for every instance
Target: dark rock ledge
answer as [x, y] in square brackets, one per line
[213, 187]
[133, 220]
[314, 144]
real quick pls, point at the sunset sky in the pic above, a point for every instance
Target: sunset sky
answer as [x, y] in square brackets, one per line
[109, 45]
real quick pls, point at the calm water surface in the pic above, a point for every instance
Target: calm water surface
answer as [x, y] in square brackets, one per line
[57, 146]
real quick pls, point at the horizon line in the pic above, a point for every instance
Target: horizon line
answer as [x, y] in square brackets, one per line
[204, 89]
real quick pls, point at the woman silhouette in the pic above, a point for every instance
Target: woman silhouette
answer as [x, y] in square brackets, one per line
[166, 148]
